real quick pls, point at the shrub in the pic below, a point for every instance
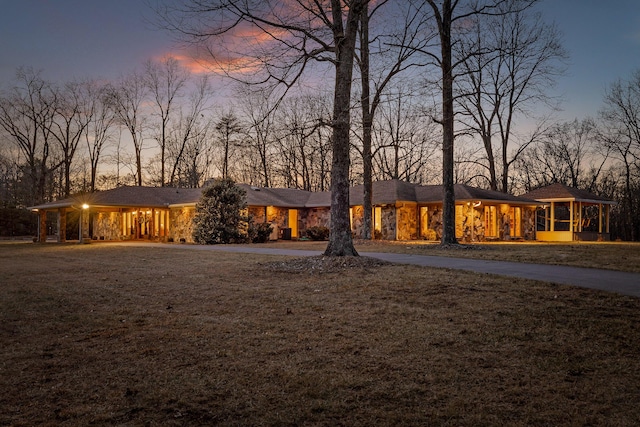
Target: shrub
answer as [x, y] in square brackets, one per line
[430, 235]
[260, 232]
[317, 233]
[219, 217]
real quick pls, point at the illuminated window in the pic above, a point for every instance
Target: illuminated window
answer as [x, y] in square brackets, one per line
[377, 219]
[490, 226]
[515, 221]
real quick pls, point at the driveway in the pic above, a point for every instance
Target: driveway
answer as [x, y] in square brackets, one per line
[606, 280]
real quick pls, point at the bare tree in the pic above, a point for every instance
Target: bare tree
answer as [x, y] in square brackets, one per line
[98, 131]
[187, 133]
[166, 81]
[228, 135]
[74, 112]
[567, 153]
[296, 34]
[401, 47]
[299, 146]
[509, 62]
[258, 110]
[126, 98]
[452, 19]
[197, 157]
[621, 120]
[26, 115]
[404, 141]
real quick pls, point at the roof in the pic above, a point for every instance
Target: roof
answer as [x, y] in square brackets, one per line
[561, 192]
[465, 192]
[283, 197]
[384, 192]
[151, 197]
[462, 192]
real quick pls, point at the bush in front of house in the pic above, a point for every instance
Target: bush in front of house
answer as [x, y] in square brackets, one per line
[260, 232]
[317, 232]
[430, 235]
[219, 214]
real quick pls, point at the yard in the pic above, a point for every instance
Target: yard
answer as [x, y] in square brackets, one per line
[622, 256]
[105, 335]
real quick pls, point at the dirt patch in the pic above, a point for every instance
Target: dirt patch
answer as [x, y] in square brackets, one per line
[324, 264]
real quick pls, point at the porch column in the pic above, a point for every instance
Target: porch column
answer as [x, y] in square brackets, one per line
[138, 225]
[600, 218]
[62, 225]
[571, 219]
[607, 213]
[553, 216]
[42, 226]
[546, 219]
[152, 225]
[166, 223]
[579, 217]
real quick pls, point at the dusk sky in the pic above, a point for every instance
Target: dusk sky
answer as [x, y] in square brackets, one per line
[69, 39]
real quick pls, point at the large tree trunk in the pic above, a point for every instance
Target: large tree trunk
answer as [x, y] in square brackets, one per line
[367, 124]
[340, 240]
[448, 195]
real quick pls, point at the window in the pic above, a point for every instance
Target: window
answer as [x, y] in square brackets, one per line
[515, 221]
[490, 226]
[377, 219]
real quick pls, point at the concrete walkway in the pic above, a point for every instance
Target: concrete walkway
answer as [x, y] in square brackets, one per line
[606, 280]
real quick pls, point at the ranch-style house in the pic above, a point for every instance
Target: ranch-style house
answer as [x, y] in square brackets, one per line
[401, 211]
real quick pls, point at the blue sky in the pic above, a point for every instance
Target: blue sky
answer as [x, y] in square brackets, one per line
[603, 41]
[106, 38]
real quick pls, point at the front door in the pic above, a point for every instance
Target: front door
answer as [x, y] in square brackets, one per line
[293, 222]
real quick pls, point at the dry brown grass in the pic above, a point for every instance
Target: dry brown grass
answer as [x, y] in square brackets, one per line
[105, 335]
[607, 255]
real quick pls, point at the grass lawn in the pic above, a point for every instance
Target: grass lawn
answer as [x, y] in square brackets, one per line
[105, 335]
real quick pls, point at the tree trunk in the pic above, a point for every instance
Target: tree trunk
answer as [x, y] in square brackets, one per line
[493, 177]
[448, 195]
[340, 240]
[367, 124]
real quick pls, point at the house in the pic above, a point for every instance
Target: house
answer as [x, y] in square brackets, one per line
[401, 211]
[571, 214]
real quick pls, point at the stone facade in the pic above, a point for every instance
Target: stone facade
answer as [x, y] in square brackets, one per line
[402, 221]
[278, 216]
[181, 224]
[107, 225]
[258, 214]
[407, 223]
[529, 223]
[388, 223]
[314, 217]
[434, 219]
[357, 221]
[471, 223]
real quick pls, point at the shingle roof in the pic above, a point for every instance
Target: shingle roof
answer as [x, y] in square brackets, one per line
[559, 191]
[384, 192]
[282, 197]
[433, 194]
[151, 197]
[465, 192]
